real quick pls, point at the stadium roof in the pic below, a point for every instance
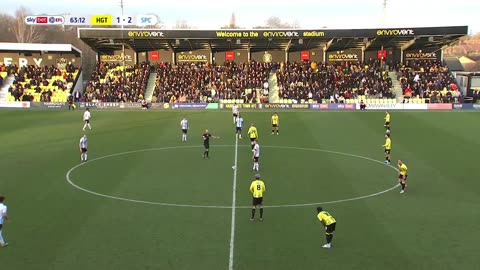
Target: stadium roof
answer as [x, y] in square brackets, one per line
[140, 39]
[37, 47]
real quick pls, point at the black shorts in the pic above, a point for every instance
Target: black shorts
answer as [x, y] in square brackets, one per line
[84, 150]
[87, 121]
[184, 131]
[330, 228]
[239, 129]
[206, 145]
[255, 159]
[1, 225]
[274, 125]
[387, 152]
[252, 139]
[387, 123]
[257, 201]
[235, 115]
[403, 177]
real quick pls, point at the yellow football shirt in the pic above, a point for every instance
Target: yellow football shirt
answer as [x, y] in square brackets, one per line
[275, 120]
[325, 218]
[252, 132]
[387, 117]
[403, 169]
[388, 144]
[257, 188]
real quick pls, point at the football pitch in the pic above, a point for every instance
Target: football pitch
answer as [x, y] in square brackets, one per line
[145, 200]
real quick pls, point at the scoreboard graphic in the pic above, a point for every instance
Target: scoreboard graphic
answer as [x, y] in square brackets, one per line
[93, 20]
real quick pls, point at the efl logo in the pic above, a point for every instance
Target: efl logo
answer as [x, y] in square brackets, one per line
[56, 20]
[42, 20]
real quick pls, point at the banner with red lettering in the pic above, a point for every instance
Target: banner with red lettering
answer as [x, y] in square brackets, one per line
[154, 56]
[305, 55]
[230, 56]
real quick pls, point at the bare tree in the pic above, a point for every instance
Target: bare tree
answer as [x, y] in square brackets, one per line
[275, 22]
[182, 25]
[6, 34]
[25, 33]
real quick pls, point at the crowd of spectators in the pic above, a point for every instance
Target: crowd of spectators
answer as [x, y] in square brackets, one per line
[333, 82]
[42, 82]
[429, 79]
[110, 83]
[199, 82]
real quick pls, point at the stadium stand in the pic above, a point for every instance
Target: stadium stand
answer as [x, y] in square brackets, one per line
[188, 82]
[107, 83]
[334, 83]
[248, 82]
[42, 84]
[428, 81]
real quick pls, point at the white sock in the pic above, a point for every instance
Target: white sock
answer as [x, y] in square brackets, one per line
[85, 126]
[256, 166]
[85, 155]
[2, 241]
[89, 127]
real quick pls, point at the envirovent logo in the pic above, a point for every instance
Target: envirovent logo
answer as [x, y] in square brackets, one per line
[115, 57]
[341, 56]
[421, 55]
[192, 58]
[395, 32]
[270, 34]
[146, 34]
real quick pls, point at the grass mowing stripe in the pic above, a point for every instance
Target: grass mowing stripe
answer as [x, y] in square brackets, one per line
[234, 202]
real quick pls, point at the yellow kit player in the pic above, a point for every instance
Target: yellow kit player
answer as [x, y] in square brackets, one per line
[388, 148]
[329, 222]
[387, 122]
[257, 188]
[275, 122]
[402, 176]
[253, 134]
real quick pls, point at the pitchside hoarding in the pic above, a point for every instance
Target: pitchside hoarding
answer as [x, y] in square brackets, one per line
[395, 106]
[19, 104]
[332, 106]
[467, 106]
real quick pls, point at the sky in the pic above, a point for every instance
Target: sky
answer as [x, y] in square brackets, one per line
[311, 14]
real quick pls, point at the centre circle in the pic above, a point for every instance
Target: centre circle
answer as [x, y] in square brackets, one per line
[165, 177]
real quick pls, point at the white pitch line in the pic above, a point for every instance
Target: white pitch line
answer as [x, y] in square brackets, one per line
[234, 203]
[69, 180]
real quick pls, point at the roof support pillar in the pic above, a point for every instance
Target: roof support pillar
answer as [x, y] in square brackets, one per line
[328, 44]
[408, 44]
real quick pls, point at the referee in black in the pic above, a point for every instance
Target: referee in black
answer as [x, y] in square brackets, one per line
[206, 143]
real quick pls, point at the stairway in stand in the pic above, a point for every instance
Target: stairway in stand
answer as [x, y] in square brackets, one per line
[397, 86]
[150, 86]
[4, 89]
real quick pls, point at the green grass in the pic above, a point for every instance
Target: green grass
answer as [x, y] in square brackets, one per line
[56, 226]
